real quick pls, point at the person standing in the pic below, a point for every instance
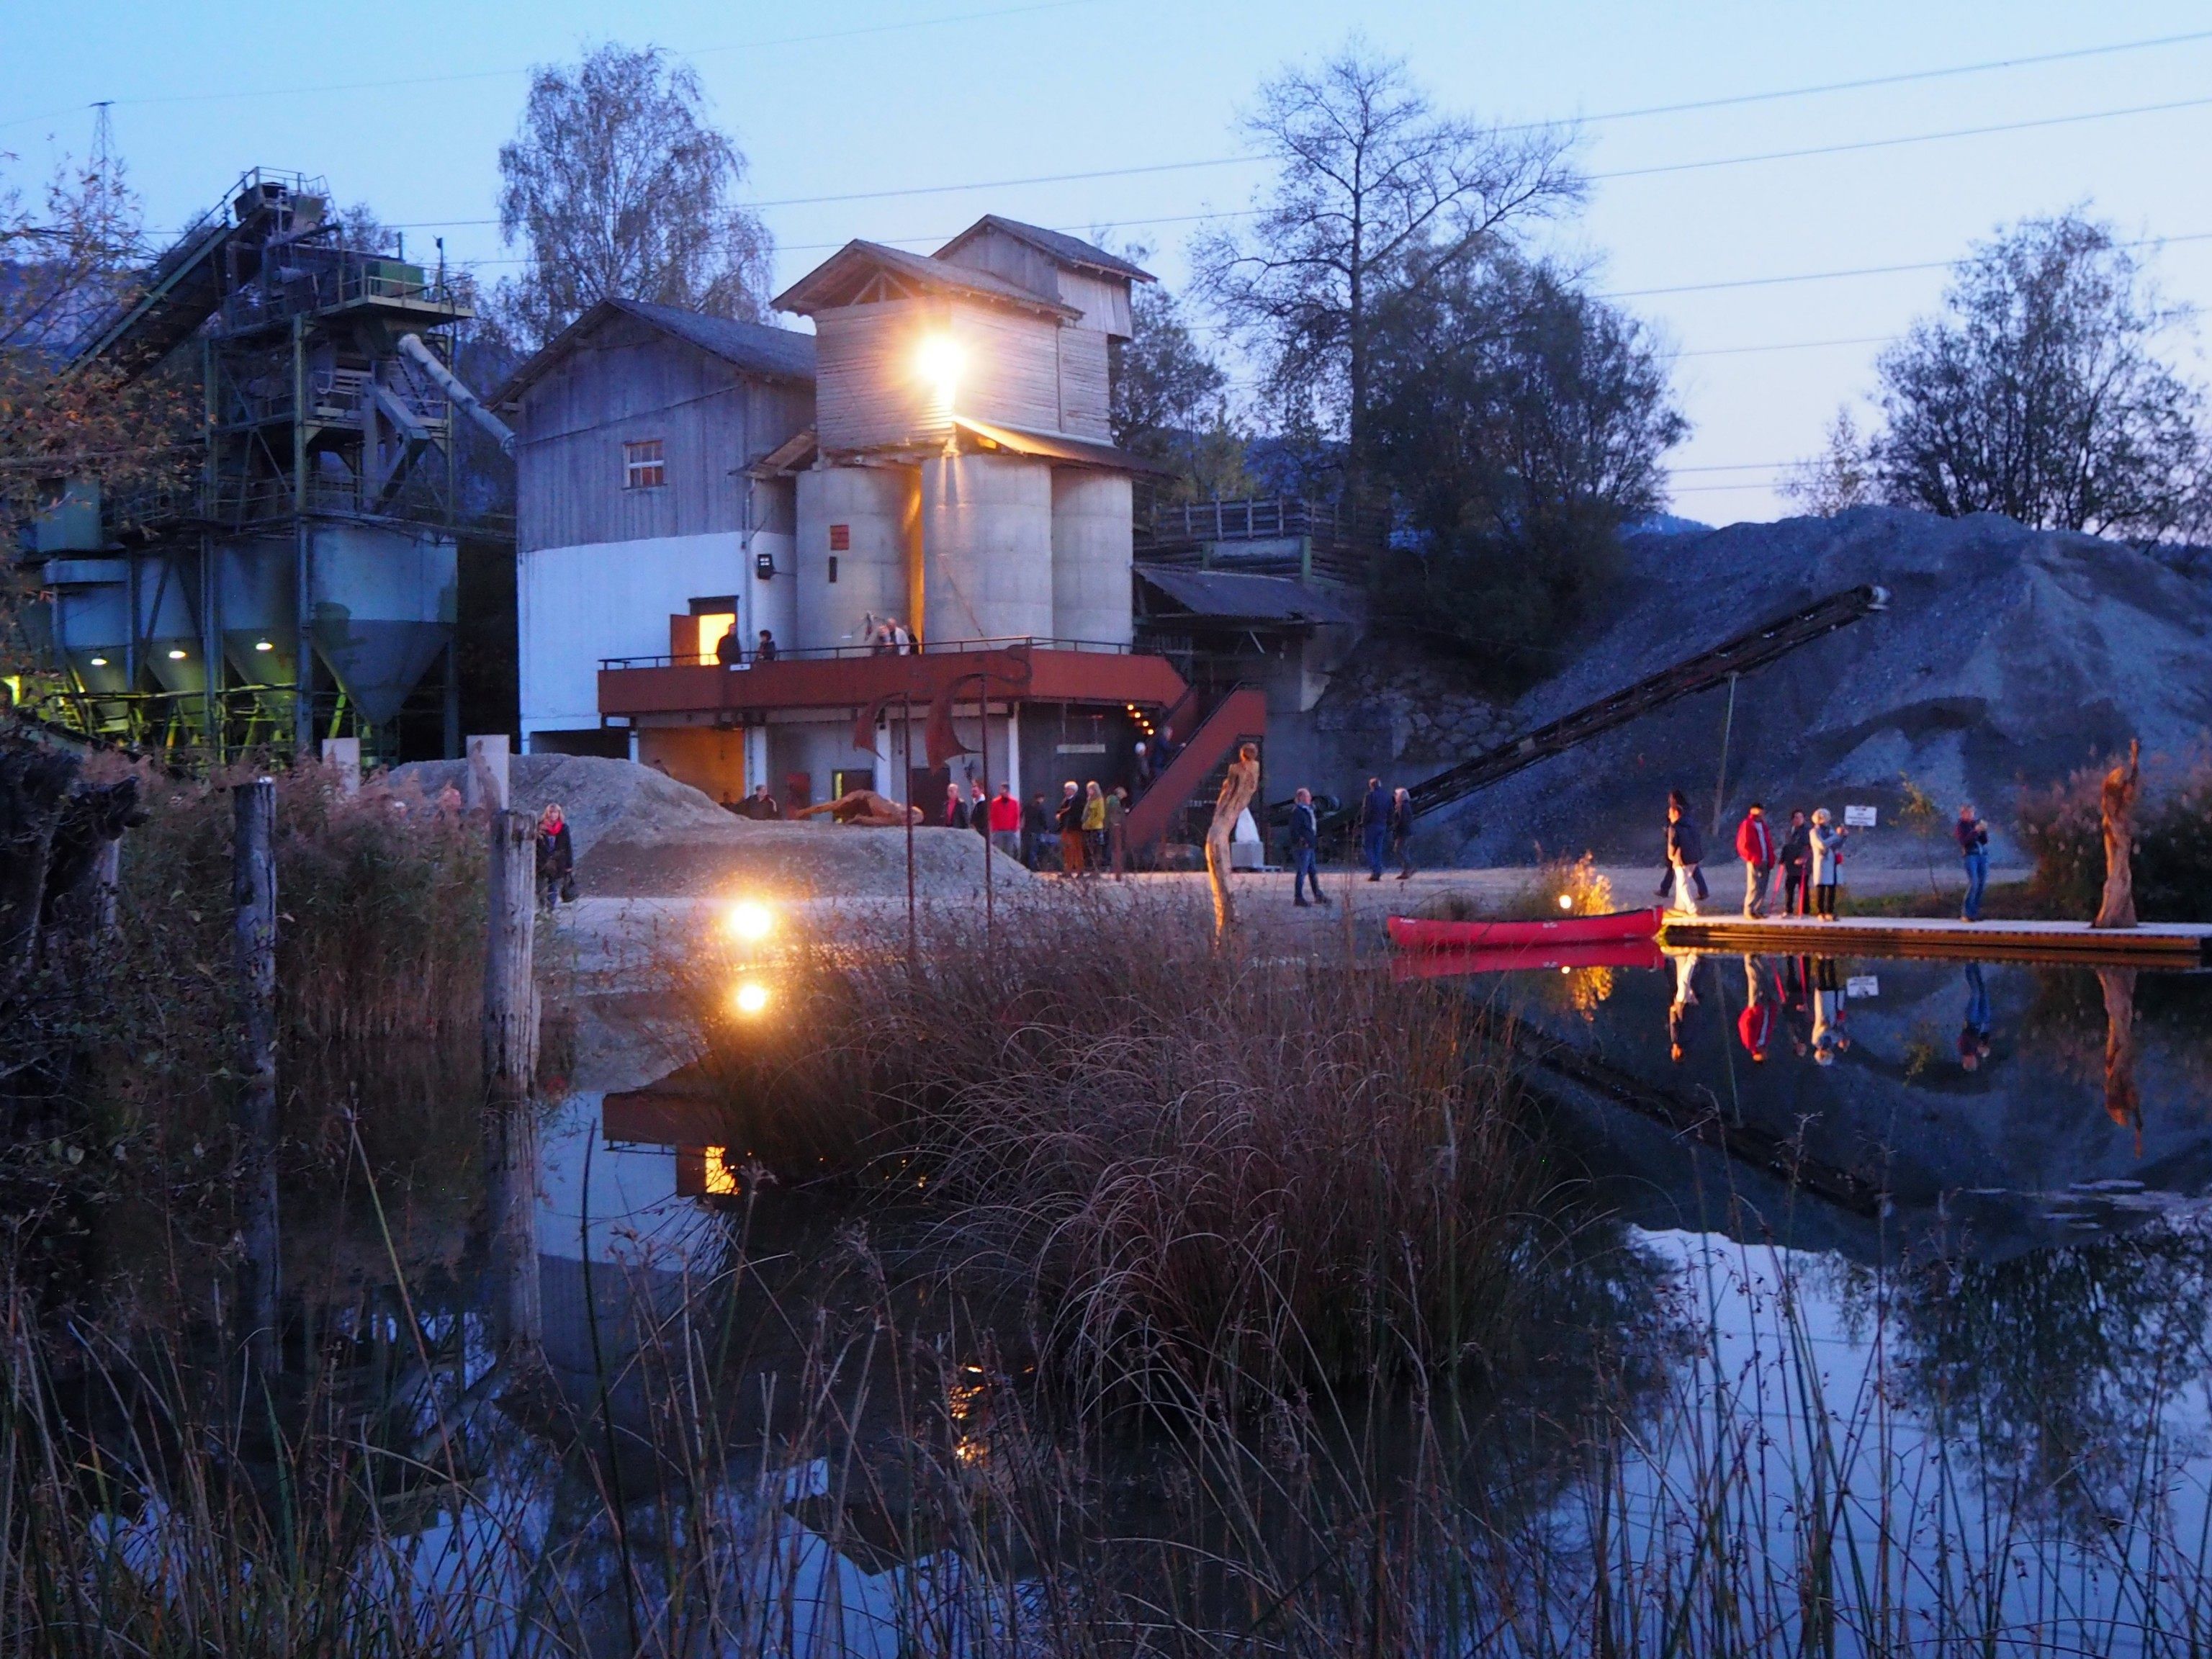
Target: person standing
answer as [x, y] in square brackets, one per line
[1094, 826]
[1686, 851]
[729, 649]
[1165, 750]
[1401, 832]
[979, 810]
[1375, 826]
[955, 810]
[1305, 852]
[1973, 838]
[1006, 821]
[1117, 839]
[1795, 856]
[557, 860]
[1827, 863]
[1140, 767]
[1754, 845]
[1037, 829]
[765, 651]
[1068, 821]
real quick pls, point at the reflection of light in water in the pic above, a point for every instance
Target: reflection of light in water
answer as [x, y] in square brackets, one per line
[720, 1177]
[749, 998]
[748, 919]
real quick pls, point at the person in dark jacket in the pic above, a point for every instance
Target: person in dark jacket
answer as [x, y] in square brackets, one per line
[765, 651]
[1401, 832]
[1375, 826]
[1305, 852]
[729, 650]
[979, 811]
[1686, 851]
[1796, 858]
[956, 809]
[1973, 835]
[557, 861]
[1036, 829]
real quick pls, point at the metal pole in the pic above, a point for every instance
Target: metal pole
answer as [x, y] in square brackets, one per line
[1720, 785]
[906, 765]
[253, 891]
[984, 688]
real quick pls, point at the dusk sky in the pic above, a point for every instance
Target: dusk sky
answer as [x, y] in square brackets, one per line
[403, 108]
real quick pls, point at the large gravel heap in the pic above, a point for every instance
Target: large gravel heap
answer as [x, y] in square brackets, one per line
[637, 831]
[2007, 657]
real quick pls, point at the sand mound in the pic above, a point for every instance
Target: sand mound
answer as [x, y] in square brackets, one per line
[637, 831]
[2008, 656]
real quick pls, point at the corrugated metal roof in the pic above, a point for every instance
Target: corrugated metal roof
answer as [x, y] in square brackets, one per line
[832, 282]
[781, 353]
[1053, 445]
[1054, 244]
[1234, 597]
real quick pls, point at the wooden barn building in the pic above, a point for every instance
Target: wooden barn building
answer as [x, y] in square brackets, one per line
[922, 493]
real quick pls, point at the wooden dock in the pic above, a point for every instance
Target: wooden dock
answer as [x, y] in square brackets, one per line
[2153, 944]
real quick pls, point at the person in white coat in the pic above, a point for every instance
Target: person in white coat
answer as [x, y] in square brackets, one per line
[1827, 863]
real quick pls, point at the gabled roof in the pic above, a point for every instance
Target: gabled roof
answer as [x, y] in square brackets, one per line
[1230, 596]
[840, 280]
[776, 354]
[1056, 245]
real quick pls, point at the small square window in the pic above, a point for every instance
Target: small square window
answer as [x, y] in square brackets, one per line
[645, 464]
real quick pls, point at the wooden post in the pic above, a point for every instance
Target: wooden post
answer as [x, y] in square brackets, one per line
[510, 1064]
[253, 892]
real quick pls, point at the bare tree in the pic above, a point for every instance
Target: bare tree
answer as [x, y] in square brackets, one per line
[1840, 477]
[2039, 393]
[1376, 195]
[1170, 402]
[618, 185]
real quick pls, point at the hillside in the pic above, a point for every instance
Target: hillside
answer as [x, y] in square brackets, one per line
[2006, 656]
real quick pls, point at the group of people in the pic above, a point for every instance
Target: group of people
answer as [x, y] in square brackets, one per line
[1809, 852]
[886, 637]
[997, 818]
[1385, 828]
[730, 652]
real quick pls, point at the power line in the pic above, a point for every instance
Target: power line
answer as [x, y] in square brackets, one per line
[908, 24]
[1856, 271]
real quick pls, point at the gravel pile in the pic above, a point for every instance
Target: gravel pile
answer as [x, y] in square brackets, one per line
[638, 832]
[2007, 657]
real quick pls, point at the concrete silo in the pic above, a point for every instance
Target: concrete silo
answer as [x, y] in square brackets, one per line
[986, 547]
[858, 527]
[1090, 556]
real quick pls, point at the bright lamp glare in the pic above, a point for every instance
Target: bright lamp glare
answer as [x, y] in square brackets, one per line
[1566, 902]
[749, 920]
[100, 662]
[176, 656]
[751, 998]
[939, 361]
[263, 645]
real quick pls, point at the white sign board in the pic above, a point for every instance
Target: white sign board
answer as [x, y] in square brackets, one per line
[1862, 985]
[1859, 817]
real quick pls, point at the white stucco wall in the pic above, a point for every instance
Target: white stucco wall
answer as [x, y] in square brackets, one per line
[576, 605]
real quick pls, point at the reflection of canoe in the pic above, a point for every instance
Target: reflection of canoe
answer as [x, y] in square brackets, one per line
[1529, 958]
[1409, 933]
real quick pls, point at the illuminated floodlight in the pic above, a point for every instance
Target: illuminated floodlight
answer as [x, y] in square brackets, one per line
[100, 662]
[1566, 900]
[176, 655]
[747, 920]
[263, 645]
[751, 998]
[940, 360]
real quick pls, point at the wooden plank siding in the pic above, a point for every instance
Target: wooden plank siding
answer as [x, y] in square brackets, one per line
[1104, 302]
[871, 392]
[631, 383]
[1084, 411]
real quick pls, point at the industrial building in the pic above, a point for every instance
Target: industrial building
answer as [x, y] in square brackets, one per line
[304, 586]
[923, 492]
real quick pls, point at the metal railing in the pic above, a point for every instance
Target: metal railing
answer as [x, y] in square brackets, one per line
[841, 653]
[1272, 518]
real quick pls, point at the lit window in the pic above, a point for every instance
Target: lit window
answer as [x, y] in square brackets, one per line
[720, 1177]
[645, 464]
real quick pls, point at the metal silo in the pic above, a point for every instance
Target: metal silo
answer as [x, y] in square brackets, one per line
[1090, 556]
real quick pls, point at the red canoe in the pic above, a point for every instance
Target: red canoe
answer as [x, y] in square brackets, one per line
[1409, 933]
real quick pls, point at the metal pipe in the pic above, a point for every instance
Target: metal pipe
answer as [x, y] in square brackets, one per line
[454, 387]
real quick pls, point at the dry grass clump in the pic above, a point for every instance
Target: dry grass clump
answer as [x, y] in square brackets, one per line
[1535, 898]
[1189, 1164]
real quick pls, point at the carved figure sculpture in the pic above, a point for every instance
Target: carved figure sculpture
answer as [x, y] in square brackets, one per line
[2122, 785]
[1237, 790]
[864, 807]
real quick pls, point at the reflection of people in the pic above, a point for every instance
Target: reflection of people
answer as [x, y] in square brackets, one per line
[1686, 998]
[1796, 987]
[1974, 1032]
[1828, 1038]
[1754, 1027]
